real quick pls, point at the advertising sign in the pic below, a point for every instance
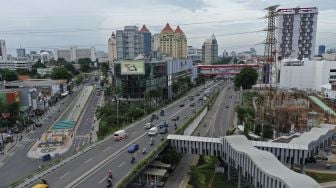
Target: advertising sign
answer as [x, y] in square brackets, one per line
[132, 68]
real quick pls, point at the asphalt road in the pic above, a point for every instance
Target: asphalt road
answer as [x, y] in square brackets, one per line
[120, 162]
[9, 170]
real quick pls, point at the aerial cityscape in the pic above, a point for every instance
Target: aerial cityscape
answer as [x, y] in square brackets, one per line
[173, 94]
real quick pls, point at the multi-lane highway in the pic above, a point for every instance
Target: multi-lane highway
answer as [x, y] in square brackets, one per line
[18, 160]
[88, 168]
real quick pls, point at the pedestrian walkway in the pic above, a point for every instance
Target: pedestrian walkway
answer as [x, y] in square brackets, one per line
[322, 105]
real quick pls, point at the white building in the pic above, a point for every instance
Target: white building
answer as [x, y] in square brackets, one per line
[297, 32]
[306, 74]
[112, 48]
[194, 54]
[74, 53]
[155, 42]
[45, 57]
[210, 51]
[13, 64]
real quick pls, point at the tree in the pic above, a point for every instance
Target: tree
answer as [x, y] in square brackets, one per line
[71, 68]
[246, 78]
[104, 68]
[61, 73]
[8, 75]
[224, 60]
[84, 64]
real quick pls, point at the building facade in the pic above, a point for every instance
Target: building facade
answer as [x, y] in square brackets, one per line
[20, 52]
[129, 42]
[194, 54]
[156, 42]
[147, 40]
[321, 49]
[74, 53]
[112, 48]
[173, 43]
[296, 32]
[3, 50]
[210, 51]
[307, 75]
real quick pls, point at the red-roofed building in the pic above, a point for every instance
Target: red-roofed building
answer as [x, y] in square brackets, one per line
[144, 29]
[173, 43]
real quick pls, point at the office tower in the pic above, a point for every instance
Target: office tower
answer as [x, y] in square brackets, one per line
[296, 32]
[210, 51]
[3, 51]
[20, 52]
[147, 40]
[129, 42]
[112, 48]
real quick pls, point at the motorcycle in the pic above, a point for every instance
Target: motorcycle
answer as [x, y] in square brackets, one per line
[109, 182]
[144, 151]
[132, 160]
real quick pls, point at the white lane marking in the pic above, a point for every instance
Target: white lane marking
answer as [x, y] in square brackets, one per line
[101, 181]
[64, 175]
[106, 148]
[88, 160]
[121, 164]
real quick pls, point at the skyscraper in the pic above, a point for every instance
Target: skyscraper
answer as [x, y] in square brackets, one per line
[147, 40]
[210, 51]
[129, 42]
[3, 51]
[112, 48]
[20, 52]
[297, 32]
[173, 43]
[321, 49]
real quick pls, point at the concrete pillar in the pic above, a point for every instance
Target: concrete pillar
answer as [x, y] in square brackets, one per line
[239, 178]
[228, 174]
[302, 168]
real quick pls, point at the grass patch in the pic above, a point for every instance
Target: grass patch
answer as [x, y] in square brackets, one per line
[322, 177]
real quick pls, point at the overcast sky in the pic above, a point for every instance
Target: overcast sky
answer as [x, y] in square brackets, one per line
[88, 22]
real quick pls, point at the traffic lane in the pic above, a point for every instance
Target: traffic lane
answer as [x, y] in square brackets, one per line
[123, 159]
[89, 154]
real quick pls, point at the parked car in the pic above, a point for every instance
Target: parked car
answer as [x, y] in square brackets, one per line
[119, 135]
[152, 131]
[175, 118]
[163, 130]
[133, 148]
[149, 125]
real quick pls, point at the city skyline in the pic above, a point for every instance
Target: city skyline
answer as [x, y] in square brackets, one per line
[92, 24]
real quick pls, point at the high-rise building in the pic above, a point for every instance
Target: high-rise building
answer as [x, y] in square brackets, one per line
[210, 51]
[129, 42]
[147, 40]
[20, 52]
[296, 32]
[155, 42]
[73, 53]
[321, 49]
[173, 43]
[225, 53]
[112, 48]
[3, 50]
[194, 54]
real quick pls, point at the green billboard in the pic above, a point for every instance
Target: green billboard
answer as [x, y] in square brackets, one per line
[132, 68]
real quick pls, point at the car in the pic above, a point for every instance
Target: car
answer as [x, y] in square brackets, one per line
[227, 106]
[162, 113]
[46, 157]
[149, 125]
[163, 124]
[152, 131]
[154, 116]
[119, 135]
[192, 104]
[175, 118]
[163, 130]
[133, 148]
[182, 105]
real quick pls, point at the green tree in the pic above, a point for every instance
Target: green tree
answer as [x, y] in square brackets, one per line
[246, 78]
[8, 75]
[37, 65]
[71, 68]
[61, 73]
[224, 60]
[84, 64]
[104, 68]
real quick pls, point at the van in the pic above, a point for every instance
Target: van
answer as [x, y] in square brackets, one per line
[119, 135]
[152, 131]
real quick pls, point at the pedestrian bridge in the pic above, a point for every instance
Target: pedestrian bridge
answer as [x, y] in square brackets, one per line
[261, 168]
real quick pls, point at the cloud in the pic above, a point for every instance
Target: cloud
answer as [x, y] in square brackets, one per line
[192, 5]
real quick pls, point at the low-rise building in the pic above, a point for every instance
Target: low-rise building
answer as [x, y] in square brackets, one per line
[15, 64]
[44, 71]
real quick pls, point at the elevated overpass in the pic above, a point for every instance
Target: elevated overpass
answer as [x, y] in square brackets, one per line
[223, 70]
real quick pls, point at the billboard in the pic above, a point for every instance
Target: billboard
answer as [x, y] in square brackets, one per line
[132, 68]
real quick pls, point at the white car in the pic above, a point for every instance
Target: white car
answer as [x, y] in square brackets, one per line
[152, 131]
[148, 125]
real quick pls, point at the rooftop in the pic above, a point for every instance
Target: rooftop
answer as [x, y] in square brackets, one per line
[34, 82]
[144, 29]
[178, 30]
[269, 163]
[195, 138]
[167, 29]
[313, 135]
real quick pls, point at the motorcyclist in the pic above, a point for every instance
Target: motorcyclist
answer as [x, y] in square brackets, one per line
[109, 181]
[152, 141]
[144, 151]
[133, 159]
